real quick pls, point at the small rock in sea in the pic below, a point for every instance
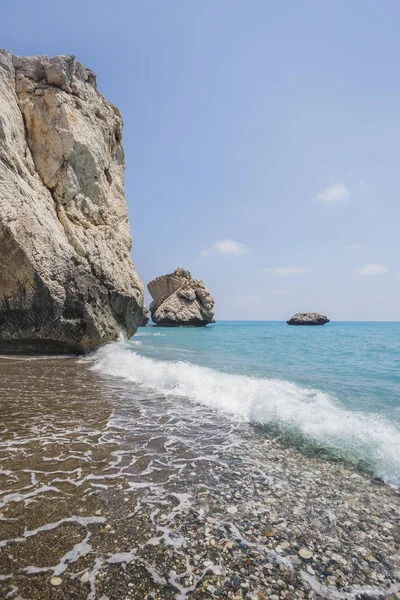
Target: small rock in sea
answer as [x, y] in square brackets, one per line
[56, 581]
[305, 553]
[308, 319]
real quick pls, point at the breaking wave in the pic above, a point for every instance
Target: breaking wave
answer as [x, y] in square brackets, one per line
[304, 417]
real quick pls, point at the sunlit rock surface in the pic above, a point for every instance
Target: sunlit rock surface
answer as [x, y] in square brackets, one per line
[180, 300]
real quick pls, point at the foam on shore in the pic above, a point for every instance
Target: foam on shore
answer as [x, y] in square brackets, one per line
[303, 416]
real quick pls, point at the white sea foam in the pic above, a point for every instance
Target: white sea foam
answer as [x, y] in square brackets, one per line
[149, 334]
[306, 414]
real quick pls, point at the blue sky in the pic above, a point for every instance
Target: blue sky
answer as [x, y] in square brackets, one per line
[262, 141]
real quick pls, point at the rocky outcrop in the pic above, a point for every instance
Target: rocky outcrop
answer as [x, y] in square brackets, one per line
[145, 317]
[67, 282]
[180, 300]
[308, 319]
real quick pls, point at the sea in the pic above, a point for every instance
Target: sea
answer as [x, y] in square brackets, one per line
[332, 391]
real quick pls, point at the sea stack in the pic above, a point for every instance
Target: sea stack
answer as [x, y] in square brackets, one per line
[179, 300]
[308, 319]
[145, 317]
[67, 281]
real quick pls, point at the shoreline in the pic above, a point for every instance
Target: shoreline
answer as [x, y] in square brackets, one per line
[118, 498]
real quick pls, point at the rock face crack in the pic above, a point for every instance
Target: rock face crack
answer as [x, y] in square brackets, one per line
[67, 282]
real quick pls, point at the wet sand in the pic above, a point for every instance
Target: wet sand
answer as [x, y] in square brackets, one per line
[108, 491]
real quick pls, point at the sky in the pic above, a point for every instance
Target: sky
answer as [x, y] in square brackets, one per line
[262, 142]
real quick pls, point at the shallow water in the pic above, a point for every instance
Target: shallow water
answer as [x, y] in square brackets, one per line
[79, 449]
[122, 476]
[334, 390]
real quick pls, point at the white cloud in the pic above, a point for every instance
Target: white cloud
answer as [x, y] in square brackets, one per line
[333, 194]
[225, 247]
[352, 246]
[286, 271]
[230, 248]
[372, 269]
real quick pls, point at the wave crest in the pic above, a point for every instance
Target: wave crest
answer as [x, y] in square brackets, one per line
[303, 416]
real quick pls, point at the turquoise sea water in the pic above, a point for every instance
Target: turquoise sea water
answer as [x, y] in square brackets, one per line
[332, 390]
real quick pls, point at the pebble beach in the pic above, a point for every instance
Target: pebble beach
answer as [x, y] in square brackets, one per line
[103, 500]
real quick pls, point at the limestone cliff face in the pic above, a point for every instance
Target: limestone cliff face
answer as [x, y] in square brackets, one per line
[67, 282]
[179, 300]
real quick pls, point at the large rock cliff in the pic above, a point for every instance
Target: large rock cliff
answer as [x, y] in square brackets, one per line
[67, 282]
[178, 300]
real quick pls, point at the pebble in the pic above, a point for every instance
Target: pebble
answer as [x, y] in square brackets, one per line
[310, 570]
[230, 545]
[85, 577]
[231, 510]
[56, 581]
[305, 553]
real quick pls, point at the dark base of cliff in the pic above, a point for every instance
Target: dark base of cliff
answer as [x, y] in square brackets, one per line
[193, 323]
[305, 324]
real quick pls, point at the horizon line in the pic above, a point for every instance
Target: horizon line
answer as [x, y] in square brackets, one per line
[284, 321]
